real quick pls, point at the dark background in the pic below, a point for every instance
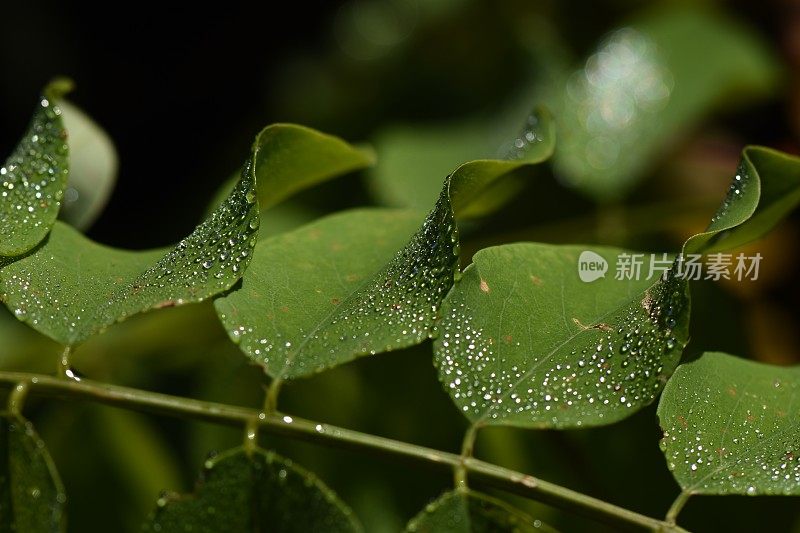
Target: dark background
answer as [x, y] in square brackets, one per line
[182, 90]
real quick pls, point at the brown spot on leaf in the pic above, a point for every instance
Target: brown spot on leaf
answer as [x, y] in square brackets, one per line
[284, 309]
[484, 286]
[508, 339]
[163, 305]
[536, 280]
[732, 391]
[335, 301]
[602, 326]
[682, 421]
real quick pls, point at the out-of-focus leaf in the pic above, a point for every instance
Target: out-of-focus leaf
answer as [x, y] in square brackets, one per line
[645, 86]
[241, 493]
[31, 496]
[285, 217]
[765, 189]
[731, 427]
[346, 286]
[33, 178]
[523, 341]
[93, 168]
[414, 160]
[290, 158]
[71, 288]
[465, 511]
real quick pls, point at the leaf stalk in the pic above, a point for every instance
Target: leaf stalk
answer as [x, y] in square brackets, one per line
[480, 472]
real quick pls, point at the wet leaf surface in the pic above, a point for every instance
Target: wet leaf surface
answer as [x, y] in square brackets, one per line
[524, 341]
[765, 189]
[70, 288]
[466, 511]
[33, 178]
[238, 493]
[731, 426]
[350, 284]
[374, 288]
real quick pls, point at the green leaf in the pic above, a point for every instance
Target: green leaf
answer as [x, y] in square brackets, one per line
[339, 288]
[644, 89]
[290, 158]
[765, 190]
[93, 168]
[31, 496]
[517, 352]
[731, 427]
[413, 160]
[464, 511]
[33, 178]
[524, 342]
[71, 288]
[346, 286]
[241, 493]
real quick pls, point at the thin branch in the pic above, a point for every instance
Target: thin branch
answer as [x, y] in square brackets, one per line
[271, 399]
[677, 506]
[467, 447]
[479, 471]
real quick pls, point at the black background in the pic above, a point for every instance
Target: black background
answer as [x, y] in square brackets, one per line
[181, 90]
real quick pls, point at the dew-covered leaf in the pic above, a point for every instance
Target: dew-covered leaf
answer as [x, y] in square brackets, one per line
[93, 166]
[732, 426]
[33, 178]
[465, 511]
[31, 496]
[290, 158]
[357, 283]
[765, 189]
[412, 160]
[241, 493]
[524, 342]
[350, 284]
[647, 84]
[70, 288]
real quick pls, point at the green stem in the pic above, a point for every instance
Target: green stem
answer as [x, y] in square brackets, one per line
[467, 446]
[479, 471]
[271, 400]
[251, 435]
[677, 506]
